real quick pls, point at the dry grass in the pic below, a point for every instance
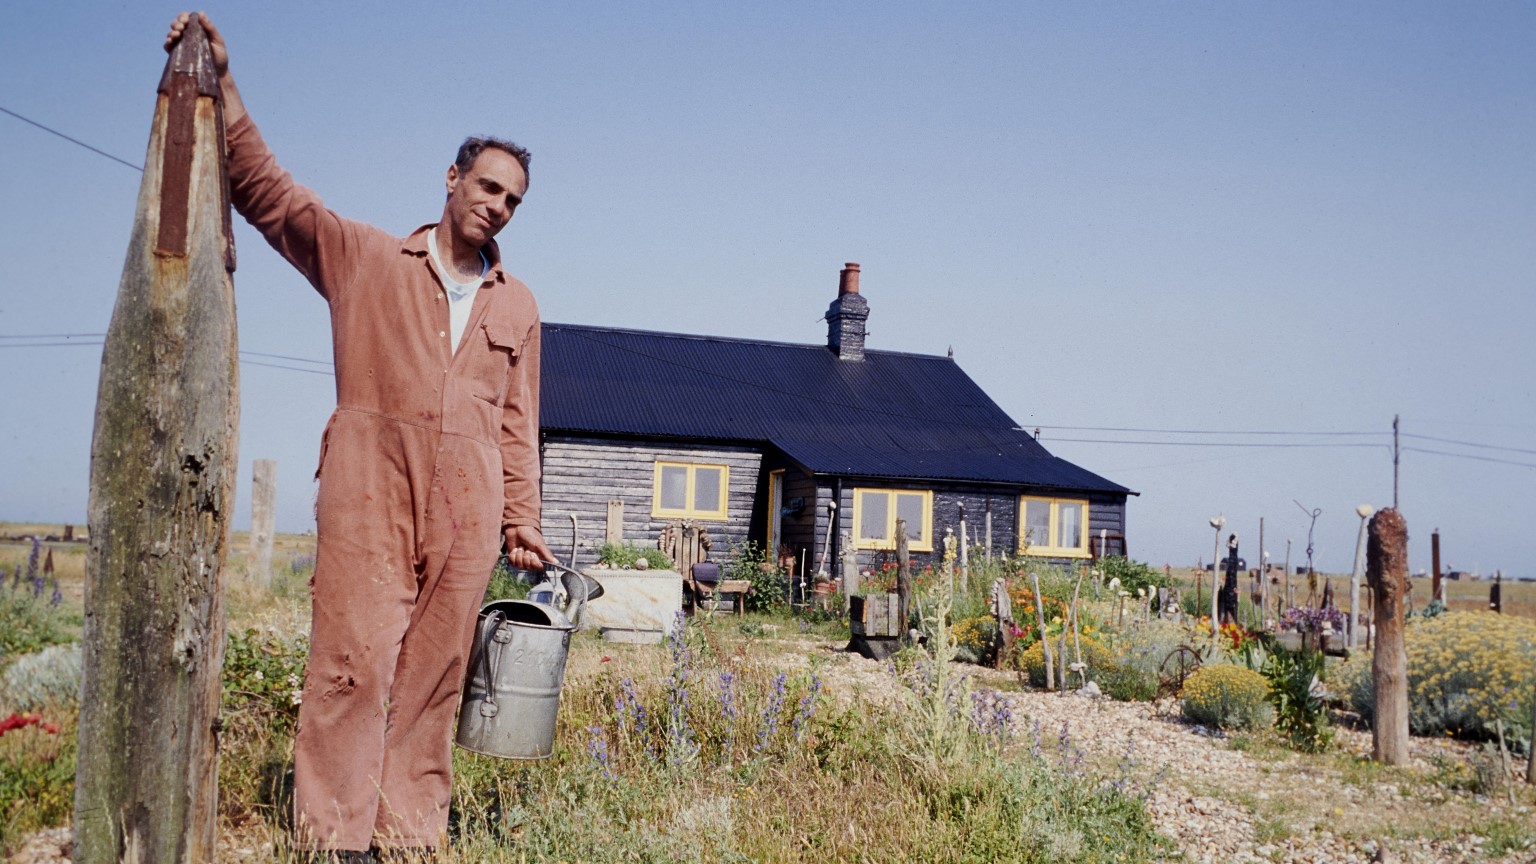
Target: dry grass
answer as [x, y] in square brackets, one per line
[69, 558]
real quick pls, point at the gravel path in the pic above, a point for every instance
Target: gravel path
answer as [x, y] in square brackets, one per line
[1247, 798]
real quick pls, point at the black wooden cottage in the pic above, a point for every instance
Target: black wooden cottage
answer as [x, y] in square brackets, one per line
[755, 439]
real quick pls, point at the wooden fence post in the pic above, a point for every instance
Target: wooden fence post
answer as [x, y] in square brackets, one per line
[263, 520]
[162, 488]
[903, 578]
[1387, 571]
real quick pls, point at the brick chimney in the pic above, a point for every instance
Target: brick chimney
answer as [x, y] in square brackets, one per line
[845, 317]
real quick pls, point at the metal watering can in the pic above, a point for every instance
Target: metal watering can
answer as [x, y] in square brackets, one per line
[516, 668]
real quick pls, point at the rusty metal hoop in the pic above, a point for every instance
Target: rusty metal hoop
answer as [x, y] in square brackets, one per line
[1177, 666]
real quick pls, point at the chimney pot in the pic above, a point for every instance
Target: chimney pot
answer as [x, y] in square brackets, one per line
[849, 281]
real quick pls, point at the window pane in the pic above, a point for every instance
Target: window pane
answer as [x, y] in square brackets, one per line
[674, 487]
[706, 490]
[910, 508]
[1037, 523]
[1070, 517]
[874, 516]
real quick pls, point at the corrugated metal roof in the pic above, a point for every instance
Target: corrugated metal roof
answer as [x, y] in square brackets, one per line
[889, 415]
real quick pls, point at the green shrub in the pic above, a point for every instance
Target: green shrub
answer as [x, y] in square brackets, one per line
[1226, 696]
[976, 639]
[624, 555]
[1466, 670]
[263, 679]
[31, 616]
[1139, 651]
[50, 677]
[770, 584]
[506, 583]
[1132, 574]
[1095, 655]
[1295, 690]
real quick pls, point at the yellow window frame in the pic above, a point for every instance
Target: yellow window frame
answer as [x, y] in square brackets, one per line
[689, 511]
[1051, 550]
[924, 543]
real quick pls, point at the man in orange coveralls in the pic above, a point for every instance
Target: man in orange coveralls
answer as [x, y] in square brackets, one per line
[429, 461]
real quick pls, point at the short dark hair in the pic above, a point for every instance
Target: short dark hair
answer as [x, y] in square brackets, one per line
[474, 145]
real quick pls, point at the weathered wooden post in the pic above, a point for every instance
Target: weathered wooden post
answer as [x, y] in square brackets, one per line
[1387, 571]
[263, 520]
[965, 553]
[1045, 640]
[1364, 511]
[903, 578]
[162, 480]
[1530, 751]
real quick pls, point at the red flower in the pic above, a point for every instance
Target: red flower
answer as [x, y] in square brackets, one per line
[17, 721]
[51, 728]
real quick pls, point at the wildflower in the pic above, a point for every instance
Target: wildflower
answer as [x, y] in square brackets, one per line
[37, 548]
[771, 713]
[807, 707]
[597, 751]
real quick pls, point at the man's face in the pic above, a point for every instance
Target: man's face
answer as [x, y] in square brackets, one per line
[482, 200]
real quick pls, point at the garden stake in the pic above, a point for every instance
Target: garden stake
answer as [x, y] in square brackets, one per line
[1530, 750]
[1045, 641]
[1387, 570]
[1504, 762]
[162, 493]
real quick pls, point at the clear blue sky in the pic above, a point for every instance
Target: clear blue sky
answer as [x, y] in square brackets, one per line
[1297, 217]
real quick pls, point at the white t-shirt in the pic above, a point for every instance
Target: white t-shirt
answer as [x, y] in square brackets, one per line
[461, 295]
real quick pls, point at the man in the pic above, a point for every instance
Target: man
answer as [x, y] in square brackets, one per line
[429, 461]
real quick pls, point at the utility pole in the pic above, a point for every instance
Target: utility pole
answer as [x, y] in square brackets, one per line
[1396, 454]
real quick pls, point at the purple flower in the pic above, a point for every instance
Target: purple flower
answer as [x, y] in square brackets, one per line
[807, 707]
[597, 751]
[771, 713]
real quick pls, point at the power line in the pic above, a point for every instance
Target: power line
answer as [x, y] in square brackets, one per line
[53, 336]
[1469, 444]
[286, 357]
[1469, 456]
[280, 366]
[52, 131]
[1193, 431]
[1207, 443]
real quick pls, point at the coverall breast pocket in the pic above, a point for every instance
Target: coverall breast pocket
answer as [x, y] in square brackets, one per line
[492, 365]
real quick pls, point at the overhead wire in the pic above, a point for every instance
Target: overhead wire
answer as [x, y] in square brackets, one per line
[76, 141]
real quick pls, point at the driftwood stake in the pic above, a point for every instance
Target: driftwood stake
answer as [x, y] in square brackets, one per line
[1045, 640]
[162, 479]
[263, 520]
[1387, 571]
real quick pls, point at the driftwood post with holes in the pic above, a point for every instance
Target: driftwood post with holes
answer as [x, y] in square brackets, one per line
[162, 480]
[263, 520]
[903, 578]
[1387, 570]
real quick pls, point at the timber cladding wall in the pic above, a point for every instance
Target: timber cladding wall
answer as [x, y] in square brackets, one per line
[581, 475]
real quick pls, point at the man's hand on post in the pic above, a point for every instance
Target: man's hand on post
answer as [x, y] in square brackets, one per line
[234, 108]
[526, 549]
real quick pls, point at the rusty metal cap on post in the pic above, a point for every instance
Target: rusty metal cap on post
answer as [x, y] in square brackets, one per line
[191, 56]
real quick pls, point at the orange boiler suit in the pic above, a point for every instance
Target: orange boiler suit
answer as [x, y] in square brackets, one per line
[429, 459]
